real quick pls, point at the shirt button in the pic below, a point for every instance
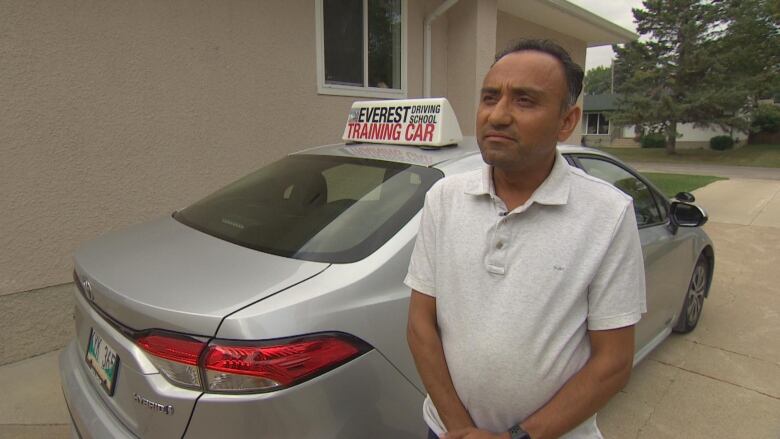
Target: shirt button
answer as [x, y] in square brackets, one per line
[500, 245]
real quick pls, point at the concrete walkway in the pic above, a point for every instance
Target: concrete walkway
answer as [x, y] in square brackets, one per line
[742, 201]
[31, 401]
[723, 379]
[720, 381]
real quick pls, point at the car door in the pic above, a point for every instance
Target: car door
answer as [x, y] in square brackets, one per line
[663, 250]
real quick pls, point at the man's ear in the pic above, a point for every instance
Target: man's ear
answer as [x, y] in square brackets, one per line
[569, 122]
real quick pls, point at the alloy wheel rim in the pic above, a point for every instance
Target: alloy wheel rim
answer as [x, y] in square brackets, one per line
[696, 293]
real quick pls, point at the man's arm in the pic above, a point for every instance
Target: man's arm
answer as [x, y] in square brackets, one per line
[422, 334]
[606, 372]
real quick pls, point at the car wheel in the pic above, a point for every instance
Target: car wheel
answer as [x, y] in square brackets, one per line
[694, 298]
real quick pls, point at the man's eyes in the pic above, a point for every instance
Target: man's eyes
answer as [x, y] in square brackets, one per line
[521, 100]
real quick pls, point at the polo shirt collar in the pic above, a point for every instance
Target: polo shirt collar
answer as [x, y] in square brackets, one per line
[554, 190]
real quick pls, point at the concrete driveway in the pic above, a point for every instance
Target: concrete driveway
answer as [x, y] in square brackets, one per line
[721, 381]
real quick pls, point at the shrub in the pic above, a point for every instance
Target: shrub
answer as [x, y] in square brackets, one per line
[721, 143]
[766, 119]
[653, 140]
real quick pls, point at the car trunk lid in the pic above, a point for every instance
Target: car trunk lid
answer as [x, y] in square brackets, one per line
[166, 275]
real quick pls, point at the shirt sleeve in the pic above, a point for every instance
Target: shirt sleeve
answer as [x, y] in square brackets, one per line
[616, 297]
[422, 269]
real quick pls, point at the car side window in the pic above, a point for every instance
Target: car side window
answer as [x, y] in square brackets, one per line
[645, 206]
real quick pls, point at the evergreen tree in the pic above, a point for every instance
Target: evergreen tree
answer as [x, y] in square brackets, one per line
[750, 47]
[598, 80]
[673, 75]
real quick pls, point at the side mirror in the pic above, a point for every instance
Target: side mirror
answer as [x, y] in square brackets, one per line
[685, 197]
[687, 215]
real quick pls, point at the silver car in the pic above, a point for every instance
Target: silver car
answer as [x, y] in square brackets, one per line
[275, 308]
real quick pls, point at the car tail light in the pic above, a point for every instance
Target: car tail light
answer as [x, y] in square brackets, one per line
[244, 367]
[175, 356]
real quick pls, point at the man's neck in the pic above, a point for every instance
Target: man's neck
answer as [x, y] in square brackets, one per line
[516, 185]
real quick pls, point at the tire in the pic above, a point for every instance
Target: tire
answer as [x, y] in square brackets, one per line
[694, 297]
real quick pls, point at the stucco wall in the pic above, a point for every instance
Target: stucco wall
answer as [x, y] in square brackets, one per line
[115, 112]
[510, 28]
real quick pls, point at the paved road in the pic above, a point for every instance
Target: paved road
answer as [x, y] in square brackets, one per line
[748, 172]
[720, 381]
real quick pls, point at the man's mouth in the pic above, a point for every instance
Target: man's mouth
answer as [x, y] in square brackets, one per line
[498, 136]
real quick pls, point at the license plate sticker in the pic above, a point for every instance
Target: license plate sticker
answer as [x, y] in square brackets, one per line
[103, 361]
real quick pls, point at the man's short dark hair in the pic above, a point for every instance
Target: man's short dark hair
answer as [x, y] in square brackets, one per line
[572, 70]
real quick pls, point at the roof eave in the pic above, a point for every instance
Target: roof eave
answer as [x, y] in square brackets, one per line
[596, 30]
[620, 35]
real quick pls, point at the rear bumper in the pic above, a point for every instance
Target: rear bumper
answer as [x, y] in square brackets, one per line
[91, 418]
[364, 398]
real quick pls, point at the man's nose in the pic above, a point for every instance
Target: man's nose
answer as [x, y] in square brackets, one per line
[500, 114]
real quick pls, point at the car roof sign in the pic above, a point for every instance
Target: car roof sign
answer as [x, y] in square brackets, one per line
[419, 122]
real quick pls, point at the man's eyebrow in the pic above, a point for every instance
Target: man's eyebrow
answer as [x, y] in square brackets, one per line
[531, 91]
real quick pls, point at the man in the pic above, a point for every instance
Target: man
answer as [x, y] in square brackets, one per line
[527, 276]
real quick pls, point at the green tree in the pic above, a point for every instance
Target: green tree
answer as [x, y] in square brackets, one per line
[750, 47]
[673, 74]
[598, 80]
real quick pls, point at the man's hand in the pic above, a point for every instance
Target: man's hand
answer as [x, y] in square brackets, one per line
[474, 433]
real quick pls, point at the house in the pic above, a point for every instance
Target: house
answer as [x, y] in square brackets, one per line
[597, 130]
[115, 112]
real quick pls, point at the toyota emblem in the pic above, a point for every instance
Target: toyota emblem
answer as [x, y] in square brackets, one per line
[88, 290]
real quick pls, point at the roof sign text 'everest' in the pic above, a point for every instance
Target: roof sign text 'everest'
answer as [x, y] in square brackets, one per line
[421, 122]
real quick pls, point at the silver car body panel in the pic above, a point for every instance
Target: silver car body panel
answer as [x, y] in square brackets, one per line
[668, 264]
[166, 275]
[170, 276]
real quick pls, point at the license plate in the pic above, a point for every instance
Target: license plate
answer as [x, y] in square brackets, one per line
[103, 361]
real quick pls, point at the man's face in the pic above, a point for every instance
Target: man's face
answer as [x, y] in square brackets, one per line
[521, 113]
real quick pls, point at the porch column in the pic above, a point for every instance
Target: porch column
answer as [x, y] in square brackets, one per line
[471, 47]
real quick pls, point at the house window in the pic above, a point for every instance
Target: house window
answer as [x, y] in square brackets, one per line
[595, 123]
[361, 47]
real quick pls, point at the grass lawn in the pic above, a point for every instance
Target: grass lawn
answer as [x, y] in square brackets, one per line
[749, 155]
[671, 184]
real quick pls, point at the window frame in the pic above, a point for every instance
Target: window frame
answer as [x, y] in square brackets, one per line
[655, 193]
[365, 91]
[598, 123]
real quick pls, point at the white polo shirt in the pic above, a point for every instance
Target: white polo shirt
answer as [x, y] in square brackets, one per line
[516, 292]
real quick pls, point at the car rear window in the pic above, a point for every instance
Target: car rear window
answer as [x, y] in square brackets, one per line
[315, 208]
